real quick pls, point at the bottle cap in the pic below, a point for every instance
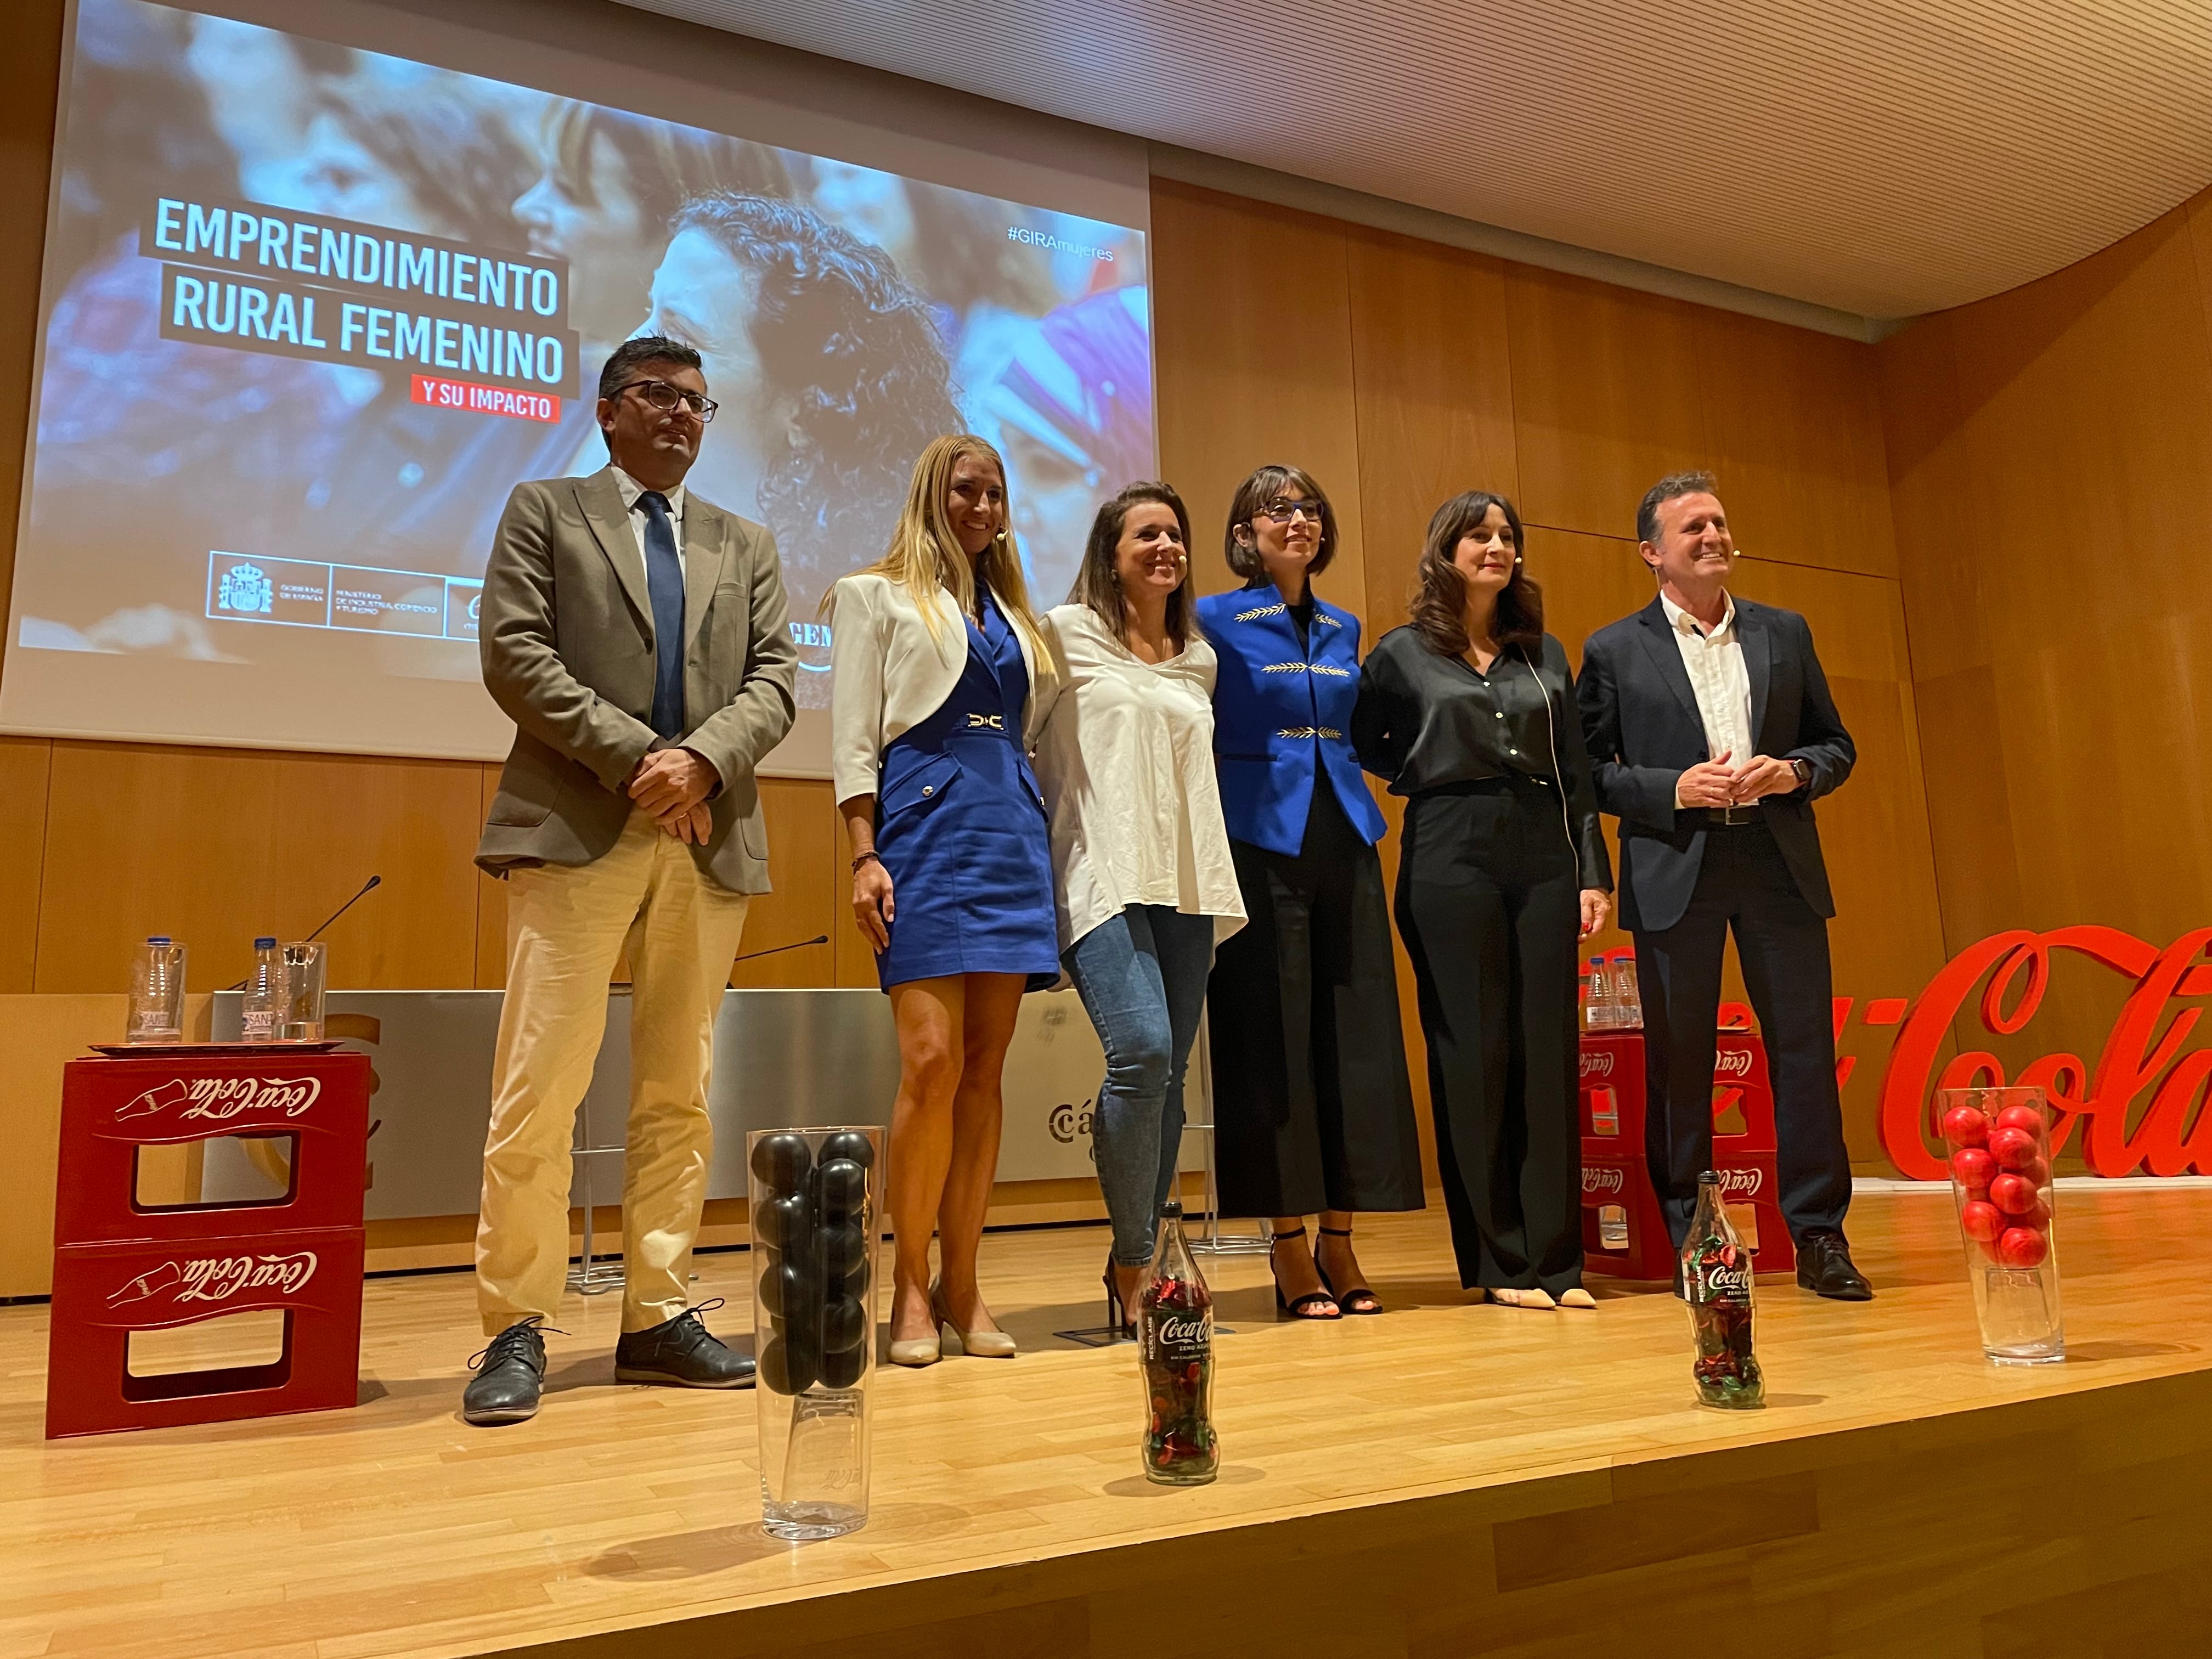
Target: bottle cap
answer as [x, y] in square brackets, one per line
[157, 939]
[265, 944]
[1711, 1178]
[1173, 1207]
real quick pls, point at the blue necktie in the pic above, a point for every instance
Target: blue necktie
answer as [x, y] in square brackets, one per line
[663, 580]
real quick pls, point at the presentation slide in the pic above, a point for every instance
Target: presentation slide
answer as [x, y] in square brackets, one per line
[311, 311]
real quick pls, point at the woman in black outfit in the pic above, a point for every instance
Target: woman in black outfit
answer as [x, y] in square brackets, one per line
[1469, 712]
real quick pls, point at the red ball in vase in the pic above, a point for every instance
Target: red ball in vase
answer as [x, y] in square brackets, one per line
[1972, 1166]
[2038, 1172]
[1982, 1221]
[2014, 1194]
[2014, 1149]
[2020, 1117]
[1965, 1126]
[2036, 1215]
[2022, 1247]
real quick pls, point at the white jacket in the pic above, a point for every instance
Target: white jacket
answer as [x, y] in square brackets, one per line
[889, 674]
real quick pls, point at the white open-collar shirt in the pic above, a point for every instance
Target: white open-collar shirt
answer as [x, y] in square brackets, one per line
[1718, 678]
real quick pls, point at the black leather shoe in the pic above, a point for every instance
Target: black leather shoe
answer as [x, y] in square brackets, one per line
[683, 1352]
[510, 1375]
[1825, 1268]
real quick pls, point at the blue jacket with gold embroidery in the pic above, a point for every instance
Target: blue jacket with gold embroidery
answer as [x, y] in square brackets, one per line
[1282, 716]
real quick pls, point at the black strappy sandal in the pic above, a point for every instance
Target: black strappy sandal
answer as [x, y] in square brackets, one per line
[1312, 1299]
[1357, 1301]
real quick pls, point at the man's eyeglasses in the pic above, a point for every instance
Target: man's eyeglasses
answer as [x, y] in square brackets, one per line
[663, 396]
[1284, 512]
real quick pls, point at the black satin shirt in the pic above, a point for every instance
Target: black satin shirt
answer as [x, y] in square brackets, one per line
[1427, 721]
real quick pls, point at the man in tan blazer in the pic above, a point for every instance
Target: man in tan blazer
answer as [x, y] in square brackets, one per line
[637, 637]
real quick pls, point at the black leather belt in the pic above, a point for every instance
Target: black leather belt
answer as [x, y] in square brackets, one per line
[1730, 817]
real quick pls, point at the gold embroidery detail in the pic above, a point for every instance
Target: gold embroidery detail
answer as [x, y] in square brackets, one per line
[1309, 731]
[1275, 610]
[1331, 621]
[1330, 668]
[1286, 668]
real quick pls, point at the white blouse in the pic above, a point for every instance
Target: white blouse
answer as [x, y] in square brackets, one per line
[1126, 763]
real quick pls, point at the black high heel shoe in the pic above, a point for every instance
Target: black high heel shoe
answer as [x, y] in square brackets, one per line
[1356, 1300]
[1308, 1306]
[1117, 1315]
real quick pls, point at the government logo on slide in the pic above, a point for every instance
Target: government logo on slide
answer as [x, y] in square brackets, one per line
[247, 587]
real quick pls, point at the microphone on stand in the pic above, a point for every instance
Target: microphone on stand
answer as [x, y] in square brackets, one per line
[796, 945]
[373, 881]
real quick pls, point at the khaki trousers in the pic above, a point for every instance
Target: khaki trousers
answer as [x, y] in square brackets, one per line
[567, 926]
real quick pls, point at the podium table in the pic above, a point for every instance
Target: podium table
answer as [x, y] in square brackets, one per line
[123, 1266]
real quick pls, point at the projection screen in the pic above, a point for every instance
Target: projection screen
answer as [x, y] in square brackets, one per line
[311, 309]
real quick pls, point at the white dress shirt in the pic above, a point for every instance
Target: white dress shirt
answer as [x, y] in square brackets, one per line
[1126, 763]
[1718, 678]
[631, 490]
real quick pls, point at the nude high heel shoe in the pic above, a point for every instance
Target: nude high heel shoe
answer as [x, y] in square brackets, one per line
[976, 1345]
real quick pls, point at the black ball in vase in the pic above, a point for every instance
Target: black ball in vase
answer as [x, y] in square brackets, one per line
[784, 1223]
[844, 1188]
[849, 1145]
[856, 1282]
[787, 1370]
[844, 1325]
[843, 1247]
[783, 1284]
[781, 1161]
[842, 1370]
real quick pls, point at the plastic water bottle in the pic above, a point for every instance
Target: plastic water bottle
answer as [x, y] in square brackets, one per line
[257, 1010]
[1628, 1000]
[157, 993]
[1599, 1012]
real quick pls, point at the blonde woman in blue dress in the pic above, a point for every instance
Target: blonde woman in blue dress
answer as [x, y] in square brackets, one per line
[937, 660]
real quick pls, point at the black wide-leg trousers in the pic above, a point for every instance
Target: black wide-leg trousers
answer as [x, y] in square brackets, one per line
[1743, 884]
[1489, 905]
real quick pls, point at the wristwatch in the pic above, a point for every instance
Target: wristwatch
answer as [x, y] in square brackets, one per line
[1804, 772]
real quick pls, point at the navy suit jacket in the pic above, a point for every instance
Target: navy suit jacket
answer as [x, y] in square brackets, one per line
[1282, 719]
[1640, 718]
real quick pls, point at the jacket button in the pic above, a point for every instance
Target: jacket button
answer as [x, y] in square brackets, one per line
[928, 788]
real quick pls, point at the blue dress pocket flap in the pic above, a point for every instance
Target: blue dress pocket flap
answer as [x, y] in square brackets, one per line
[921, 785]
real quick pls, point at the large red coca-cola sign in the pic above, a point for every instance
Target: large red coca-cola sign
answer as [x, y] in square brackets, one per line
[2138, 1107]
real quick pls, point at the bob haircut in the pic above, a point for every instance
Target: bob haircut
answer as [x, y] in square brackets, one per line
[1439, 611]
[1265, 484]
[1098, 583]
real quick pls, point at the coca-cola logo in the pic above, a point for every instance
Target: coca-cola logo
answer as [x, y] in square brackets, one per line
[1725, 1281]
[1602, 1180]
[221, 1098]
[1732, 1063]
[1183, 1333]
[1597, 1062]
[1742, 1183]
[216, 1277]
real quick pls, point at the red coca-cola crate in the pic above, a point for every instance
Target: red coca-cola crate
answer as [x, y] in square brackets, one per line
[1624, 1234]
[1612, 1096]
[110, 1108]
[103, 1293]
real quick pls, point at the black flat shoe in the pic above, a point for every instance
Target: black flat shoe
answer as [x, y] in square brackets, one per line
[510, 1376]
[1308, 1306]
[1825, 1268]
[681, 1353]
[1358, 1299]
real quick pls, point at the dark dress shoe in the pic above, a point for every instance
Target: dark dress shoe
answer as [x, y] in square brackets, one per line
[683, 1352]
[1825, 1268]
[510, 1376]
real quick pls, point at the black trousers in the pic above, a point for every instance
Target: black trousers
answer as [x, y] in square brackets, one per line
[1489, 906]
[1782, 942]
[1313, 1107]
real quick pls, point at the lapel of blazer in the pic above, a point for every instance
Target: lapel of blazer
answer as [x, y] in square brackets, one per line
[600, 499]
[1667, 657]
[1274, 639]
[706, 548]
[1758, 642]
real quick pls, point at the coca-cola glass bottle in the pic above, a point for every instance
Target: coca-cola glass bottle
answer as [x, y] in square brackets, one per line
[1175, 1334]
[1717, 1285]
[1999, 1140]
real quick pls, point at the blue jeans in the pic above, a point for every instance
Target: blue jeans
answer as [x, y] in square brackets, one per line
[1142, 979]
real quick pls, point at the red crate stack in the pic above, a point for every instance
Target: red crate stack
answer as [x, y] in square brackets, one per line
[1623, 1231]
[121, 1266]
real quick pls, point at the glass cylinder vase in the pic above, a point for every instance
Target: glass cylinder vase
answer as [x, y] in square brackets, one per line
[816, 1197]
[1999, 1142]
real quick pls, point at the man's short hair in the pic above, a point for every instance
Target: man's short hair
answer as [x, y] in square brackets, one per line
[1673, 484]
[632, 355]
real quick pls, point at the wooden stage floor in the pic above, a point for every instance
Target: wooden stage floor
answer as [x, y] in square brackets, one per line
[1450, 1478]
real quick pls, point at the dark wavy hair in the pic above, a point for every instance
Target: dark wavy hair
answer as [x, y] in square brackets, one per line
[1097, 582]
[855, 352]
[1438, 609]
[1256, 492]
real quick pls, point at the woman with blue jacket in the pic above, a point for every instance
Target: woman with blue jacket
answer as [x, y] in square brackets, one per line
[1312, 1105]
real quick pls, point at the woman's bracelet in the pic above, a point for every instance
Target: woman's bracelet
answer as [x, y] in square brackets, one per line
[868, 857]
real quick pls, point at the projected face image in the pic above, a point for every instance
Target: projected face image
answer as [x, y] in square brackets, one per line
[704, 297]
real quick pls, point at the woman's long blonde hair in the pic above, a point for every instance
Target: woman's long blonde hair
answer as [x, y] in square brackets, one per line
[925, 556]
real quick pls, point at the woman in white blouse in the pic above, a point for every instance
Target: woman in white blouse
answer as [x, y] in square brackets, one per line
[1145, 886]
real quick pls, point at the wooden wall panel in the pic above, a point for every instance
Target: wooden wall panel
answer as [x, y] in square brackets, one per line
[800, 859]
[1612, 389]
[24, 765]
[1252, 320]
[214, 845]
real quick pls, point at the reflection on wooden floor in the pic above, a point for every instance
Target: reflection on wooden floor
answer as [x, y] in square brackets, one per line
[1450, 1478]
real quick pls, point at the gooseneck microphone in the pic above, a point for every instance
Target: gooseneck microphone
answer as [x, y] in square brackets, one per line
[796, 945]
[373, 881]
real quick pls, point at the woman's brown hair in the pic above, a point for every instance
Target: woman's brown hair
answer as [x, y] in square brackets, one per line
[1097, 581]
[1439, 611]
[1265, 483]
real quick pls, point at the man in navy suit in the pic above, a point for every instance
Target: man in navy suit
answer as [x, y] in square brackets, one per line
[1711, 732]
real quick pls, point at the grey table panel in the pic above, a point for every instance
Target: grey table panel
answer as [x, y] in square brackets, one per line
[782, 1059]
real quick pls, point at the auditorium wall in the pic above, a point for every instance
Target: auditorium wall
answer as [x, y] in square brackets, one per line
[1397, 371]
